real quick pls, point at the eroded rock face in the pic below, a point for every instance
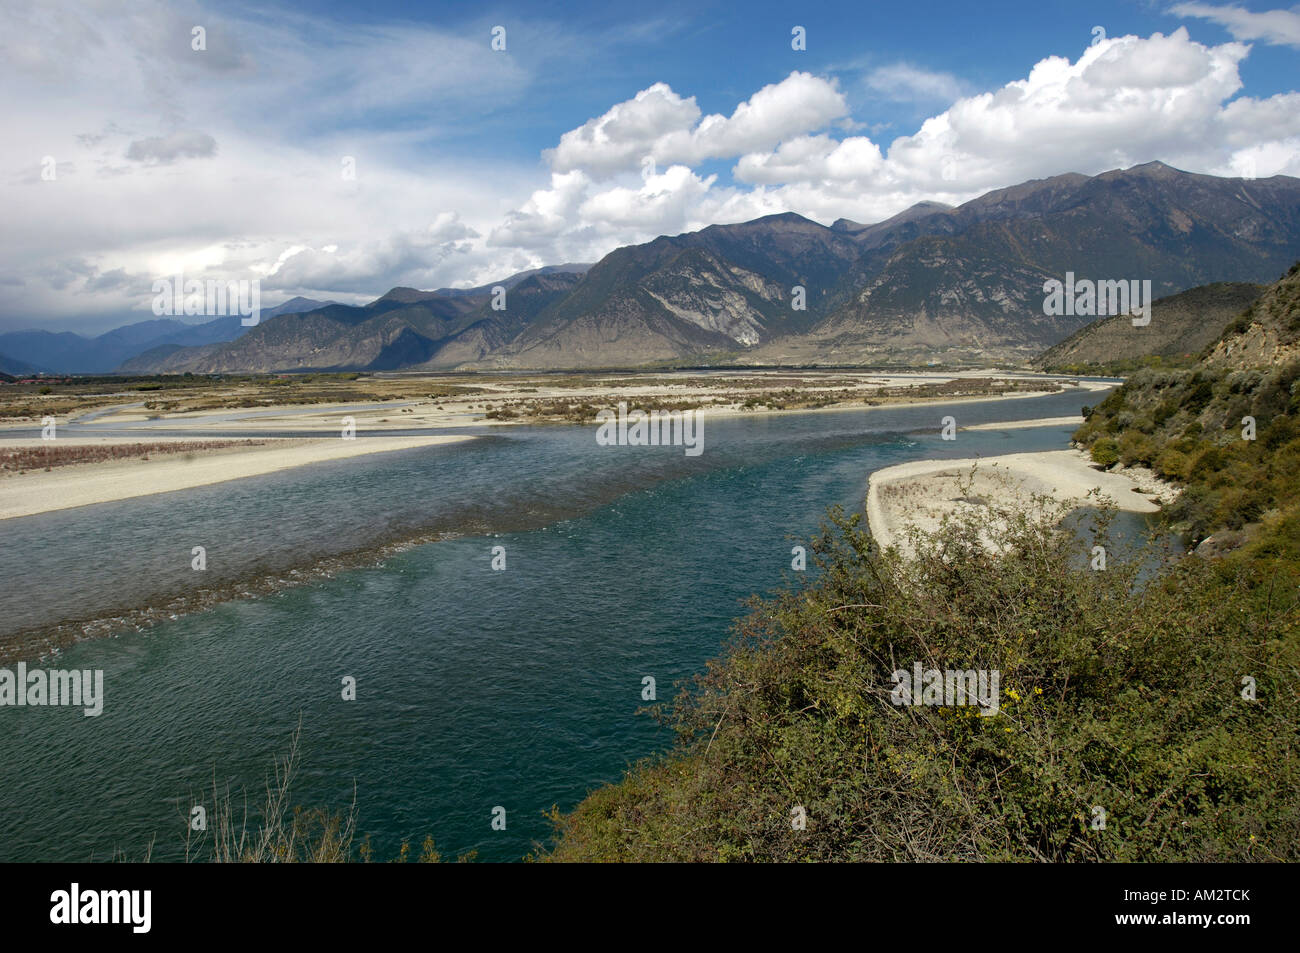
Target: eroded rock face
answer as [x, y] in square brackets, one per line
[708, 297]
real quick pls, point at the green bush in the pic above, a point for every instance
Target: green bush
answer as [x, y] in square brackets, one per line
[1199, 394]
[1136, 448]
[1210, 461]
[1173, 465]
[1105, 452]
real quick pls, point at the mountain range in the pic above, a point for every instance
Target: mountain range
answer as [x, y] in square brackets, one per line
[934, 283]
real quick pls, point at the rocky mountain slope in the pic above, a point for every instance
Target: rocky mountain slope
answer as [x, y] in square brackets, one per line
[969, 284]
[1267, 333]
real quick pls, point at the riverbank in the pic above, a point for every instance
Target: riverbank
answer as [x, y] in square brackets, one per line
[30, 492]
[921, 493]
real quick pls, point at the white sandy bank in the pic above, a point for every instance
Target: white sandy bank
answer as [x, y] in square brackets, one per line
[921, 493]
[84, 484]
[1074, 421]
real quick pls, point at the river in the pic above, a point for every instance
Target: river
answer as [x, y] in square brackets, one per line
[476, 688]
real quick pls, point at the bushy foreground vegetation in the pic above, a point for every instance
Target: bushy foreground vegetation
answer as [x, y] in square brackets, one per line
[1118, 696]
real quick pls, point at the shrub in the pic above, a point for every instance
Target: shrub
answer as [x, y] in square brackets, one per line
[1200, 393]
[1173, 465]
[1210, 461]
[1136, 448]
[1105, 452]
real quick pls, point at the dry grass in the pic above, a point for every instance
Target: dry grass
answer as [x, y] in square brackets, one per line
[281, 834]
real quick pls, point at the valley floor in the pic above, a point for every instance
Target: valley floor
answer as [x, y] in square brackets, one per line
[133, 448]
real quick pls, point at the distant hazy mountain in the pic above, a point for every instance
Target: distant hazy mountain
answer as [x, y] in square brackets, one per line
[54, 351]
[219, 330]
[934, 282]
[295, 306]
[1182, 325]
[404, 328]
[65, 352]
[13, 368]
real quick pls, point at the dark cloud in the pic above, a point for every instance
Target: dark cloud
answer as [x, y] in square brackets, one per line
[110, 280]
[161, 150]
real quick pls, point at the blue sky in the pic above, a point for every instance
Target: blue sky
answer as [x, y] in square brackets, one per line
[599, 125]
[721, 52]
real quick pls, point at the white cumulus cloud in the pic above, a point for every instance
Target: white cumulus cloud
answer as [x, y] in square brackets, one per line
[1124, 100]
[660, 125]
[1279, 27]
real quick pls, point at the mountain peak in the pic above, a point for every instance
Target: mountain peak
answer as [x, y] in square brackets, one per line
[297, 302]
[777, 220]
[912, 212]
[296, 305]
[791, 217]
[1155, 167]
[403, 295]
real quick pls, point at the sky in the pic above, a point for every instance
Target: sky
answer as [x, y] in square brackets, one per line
[336, 150]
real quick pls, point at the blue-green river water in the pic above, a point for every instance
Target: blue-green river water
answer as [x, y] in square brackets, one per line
[475, 688]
